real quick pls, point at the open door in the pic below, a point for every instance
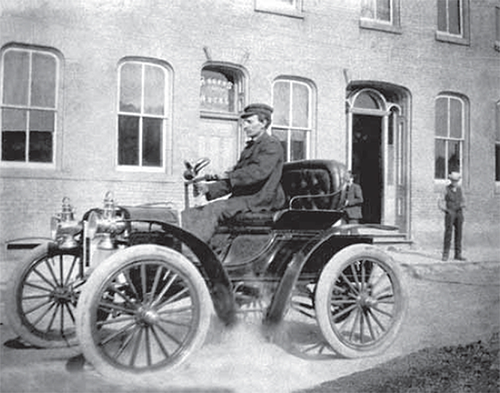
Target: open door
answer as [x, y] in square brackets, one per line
[377, 153]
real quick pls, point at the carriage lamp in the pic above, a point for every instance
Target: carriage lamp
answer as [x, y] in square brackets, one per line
[64, 227]
[105, 223]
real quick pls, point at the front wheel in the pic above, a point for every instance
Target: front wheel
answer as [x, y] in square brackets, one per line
[143, 310]
[42, 296]
[360, 301]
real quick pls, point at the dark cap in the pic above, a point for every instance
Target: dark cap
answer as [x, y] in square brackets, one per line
[255, 109]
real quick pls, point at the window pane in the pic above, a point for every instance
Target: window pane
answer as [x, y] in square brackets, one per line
[13, 119]
[454, 156]
[43, 82]
[16, 78]
[128, 140]
[217, 91]
[300, 111]
[454, 16]
[442, 15]
[130, 88]
[151, 141]
[154, 90]
[456, 118]
[40, 147]
[440, 160]
[298, 145]
[384, 10]
[442, 117]
[13, 146]
[367, 101]
[41, 121]
[282, 136]
[281, 103]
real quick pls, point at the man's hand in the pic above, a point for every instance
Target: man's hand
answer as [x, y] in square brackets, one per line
[200, 188]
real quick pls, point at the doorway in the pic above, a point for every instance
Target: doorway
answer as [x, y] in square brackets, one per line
[377, 151]
[367, 164]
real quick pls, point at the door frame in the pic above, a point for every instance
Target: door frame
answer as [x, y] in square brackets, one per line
[392, 105]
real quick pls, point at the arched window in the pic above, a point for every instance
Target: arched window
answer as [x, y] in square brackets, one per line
[143, 114]
[292, 117]
[222, 96]
[450, 133]
[29, 110]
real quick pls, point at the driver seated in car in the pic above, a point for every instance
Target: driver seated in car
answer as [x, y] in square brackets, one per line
[253, 184]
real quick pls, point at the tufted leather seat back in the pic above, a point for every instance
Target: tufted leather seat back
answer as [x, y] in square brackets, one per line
[313, 184]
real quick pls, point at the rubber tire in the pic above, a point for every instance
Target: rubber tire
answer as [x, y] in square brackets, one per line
[329, 276]
[15, 314]
[95, 285]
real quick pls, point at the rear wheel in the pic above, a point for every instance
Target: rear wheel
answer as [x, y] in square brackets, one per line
[42, 296]
[143, 310]
[360, 301]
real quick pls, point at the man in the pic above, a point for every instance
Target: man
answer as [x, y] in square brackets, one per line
[354, 200]
[452, 203]
[253, 184]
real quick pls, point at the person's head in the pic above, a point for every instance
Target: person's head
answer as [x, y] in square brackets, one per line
[349, 178]
[256, 119]
[454, 178]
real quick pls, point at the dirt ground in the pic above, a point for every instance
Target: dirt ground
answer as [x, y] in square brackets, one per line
[446, 344]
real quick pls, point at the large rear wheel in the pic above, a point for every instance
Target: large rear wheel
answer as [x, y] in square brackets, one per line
[360, 301]
[142, 311]
[42, 296]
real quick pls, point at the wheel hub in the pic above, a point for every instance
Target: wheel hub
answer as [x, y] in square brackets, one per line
[62, 294]
[147, 316]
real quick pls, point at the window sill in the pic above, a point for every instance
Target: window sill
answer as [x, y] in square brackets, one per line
[372, 24]
[218, 115]
[452, 39]
[261, 6]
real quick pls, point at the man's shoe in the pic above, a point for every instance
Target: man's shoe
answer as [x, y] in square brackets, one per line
[445, 258]
[460, 258]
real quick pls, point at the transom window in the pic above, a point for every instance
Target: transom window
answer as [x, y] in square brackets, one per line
[143, 113]
[29, 105]
[449, 135]
[292, 117]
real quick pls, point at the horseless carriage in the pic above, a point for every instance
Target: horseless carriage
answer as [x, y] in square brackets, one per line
[138, 292]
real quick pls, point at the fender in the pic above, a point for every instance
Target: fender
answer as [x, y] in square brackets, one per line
[328, 245]
[220, 285]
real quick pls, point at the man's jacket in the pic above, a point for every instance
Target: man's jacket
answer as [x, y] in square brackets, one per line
[254, 182]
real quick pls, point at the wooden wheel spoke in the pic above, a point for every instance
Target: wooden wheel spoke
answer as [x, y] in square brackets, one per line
[169, 335]
[159, 342]
[117, 333]
[70, 272]
[51, 271]
[349, 283]
[45, 279]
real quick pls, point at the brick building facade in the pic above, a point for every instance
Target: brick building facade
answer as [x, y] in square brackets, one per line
[102, 95]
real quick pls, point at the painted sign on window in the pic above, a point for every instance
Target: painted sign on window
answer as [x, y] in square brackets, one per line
[216, 92]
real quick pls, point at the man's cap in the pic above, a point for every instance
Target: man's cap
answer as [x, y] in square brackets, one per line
[255, 109]
[454, 176]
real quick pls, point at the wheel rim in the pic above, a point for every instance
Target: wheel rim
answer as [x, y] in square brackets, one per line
[363, 304]
[48, 295]
[146, 316]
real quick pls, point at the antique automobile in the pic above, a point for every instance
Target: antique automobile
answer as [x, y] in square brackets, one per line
[138, 292]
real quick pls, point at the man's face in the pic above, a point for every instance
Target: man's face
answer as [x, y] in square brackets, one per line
[253, 127]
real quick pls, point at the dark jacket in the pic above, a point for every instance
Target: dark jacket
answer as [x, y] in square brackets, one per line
[254, 182]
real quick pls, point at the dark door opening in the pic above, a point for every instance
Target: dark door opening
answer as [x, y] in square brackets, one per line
[367, 164]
